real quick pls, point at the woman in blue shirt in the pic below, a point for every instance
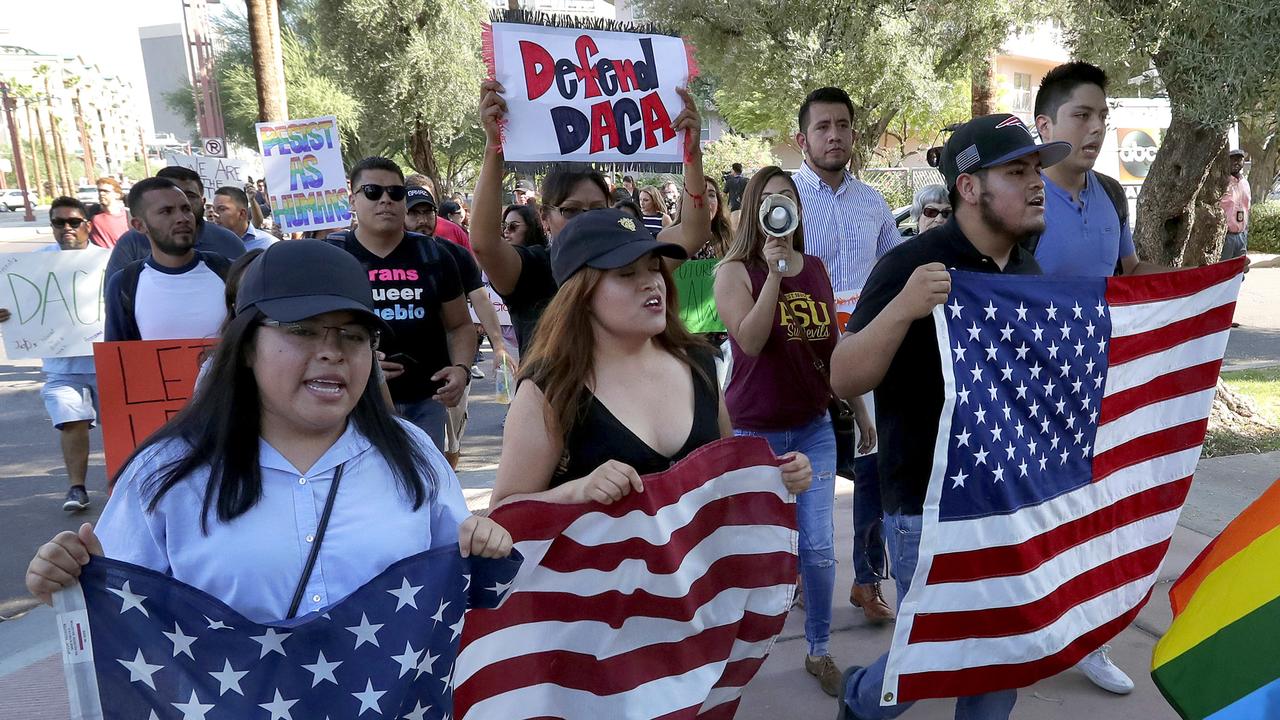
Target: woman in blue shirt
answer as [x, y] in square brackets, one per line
[228, 496]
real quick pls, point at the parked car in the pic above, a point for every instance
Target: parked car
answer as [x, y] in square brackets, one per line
[87, 193]
[11, 200]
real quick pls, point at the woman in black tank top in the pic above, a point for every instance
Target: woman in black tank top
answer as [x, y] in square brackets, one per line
[613, 387]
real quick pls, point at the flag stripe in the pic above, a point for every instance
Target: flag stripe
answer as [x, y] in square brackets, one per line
[1153, 418]
[1006, 560]
[754, 624]
[1252, 706]
[1132, 347]
[1133, 320]
[1136, 289]
[1165, 387]
[1039, 614]
[1048, 577]
[1179, 437]
[1137, 373]
[724, 522]
[988, 678]
[978, 533]
[1260, 518]
[1234, 662]
[1240, 585]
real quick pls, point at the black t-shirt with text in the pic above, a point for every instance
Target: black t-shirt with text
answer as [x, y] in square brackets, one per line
[468, 270]
[410, 285]
[534, 289]
[909, 398]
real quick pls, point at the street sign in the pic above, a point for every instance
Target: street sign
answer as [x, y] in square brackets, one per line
[215, 147]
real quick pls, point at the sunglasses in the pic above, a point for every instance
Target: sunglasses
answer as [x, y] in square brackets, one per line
[933, 212]
[73, 223]
[512, 227]
[374, 192]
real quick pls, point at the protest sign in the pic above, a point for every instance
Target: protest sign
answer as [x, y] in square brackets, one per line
[55, 299]
[141, 384]
[302, 163]
[499, 306]
[214, 172]
[587, 95]
[695, 286]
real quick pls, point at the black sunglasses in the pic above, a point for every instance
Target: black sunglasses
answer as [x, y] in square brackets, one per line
[374, 191]
[75, 223]
[933, 212]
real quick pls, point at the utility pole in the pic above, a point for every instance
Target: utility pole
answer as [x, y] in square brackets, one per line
[195, 17]
[10, 105]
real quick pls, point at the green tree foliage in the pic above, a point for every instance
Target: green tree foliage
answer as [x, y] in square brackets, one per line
[887, 54]
[753, 152]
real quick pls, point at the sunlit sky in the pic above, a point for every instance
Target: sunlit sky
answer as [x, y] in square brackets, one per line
[104, 32]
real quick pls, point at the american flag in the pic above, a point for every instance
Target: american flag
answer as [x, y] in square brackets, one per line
[662, 605]
[138, 645]
[1073, 418]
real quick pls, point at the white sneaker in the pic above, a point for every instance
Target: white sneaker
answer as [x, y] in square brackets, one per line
[1102, 672]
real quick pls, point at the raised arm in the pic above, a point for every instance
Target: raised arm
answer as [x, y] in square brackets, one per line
[748, 319]
[499, 260]
[693, 228]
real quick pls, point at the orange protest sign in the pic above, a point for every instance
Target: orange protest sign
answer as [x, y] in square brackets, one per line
[141, 385]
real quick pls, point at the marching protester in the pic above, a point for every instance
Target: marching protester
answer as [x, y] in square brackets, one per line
[719, 229]
[525, 193]
[444, 228]
[421, 218]
[992, 169]
[849, 226]
[930, 208]
[522, 227]
[583, 426]
[629, 184]
[778, 305]
[176, 291]
[670, 195]
[231, 210]
[108, 219]
[734, 185]
[521, 274]
[70, 390]
[290, 410]
[653, 210]
[209, 238]
[417, 291]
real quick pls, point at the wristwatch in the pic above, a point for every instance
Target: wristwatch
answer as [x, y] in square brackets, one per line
[466, 371]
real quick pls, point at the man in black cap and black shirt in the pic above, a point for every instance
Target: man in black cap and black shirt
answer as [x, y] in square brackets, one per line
[992, 168]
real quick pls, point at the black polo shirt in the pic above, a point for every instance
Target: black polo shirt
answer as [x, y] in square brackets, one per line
[909, 399]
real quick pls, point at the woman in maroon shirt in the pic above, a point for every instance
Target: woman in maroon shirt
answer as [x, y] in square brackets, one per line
[777, 391]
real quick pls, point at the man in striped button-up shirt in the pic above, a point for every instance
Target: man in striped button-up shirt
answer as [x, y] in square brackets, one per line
[847, 224]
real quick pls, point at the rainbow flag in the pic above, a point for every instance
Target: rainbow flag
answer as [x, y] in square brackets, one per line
[1219, 659]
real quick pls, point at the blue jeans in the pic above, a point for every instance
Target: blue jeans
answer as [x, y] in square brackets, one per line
[1235, 245]
[868, 539]
[814, 508]
[862, 693]
[429, 415]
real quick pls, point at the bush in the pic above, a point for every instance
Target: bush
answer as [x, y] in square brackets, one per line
[1264, 228]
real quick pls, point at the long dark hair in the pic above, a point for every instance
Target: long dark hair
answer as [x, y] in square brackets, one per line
[533, 232]
[221, 425]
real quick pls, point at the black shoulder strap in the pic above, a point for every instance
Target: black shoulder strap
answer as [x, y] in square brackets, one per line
[1115, 191]
[219, 264]
[129, 275]
[315, 545]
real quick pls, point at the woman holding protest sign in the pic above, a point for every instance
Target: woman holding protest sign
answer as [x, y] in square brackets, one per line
[777, 303]
[226, 496]
[583, 426]
[522, 275]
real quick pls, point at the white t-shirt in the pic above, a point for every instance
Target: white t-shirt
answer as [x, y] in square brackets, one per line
[179, 304]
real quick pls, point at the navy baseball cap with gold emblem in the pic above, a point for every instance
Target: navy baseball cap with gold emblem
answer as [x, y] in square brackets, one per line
[991, 140]
[604, 239]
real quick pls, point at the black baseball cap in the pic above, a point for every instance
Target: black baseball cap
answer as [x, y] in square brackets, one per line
[604, 239]
[991, 140]
[525, 186]
[296, 279]
[1237, 153]
[417, 196]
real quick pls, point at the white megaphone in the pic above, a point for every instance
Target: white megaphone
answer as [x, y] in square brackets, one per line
[779, 217]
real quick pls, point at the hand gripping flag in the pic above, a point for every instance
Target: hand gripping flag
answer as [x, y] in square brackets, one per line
[661, 605]
[1073, 417]
[138, 645]
[1218, 659]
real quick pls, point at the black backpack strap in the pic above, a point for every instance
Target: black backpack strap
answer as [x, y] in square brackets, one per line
[219, 264]
[129, 275]
[1115, 191]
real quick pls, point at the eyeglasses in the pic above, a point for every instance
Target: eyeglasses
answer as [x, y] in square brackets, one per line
[570, 212]
[73, 223]
[374, 192]
[352, 338]
[933, 212]
[512, 227]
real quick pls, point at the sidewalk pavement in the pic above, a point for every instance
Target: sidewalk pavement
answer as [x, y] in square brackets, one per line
[31, 683]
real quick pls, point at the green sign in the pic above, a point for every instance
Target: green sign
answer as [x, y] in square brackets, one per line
[695, 283]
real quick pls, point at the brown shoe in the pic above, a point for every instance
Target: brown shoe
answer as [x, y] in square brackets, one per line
[869, 598]
[824, 668]
[452, 459]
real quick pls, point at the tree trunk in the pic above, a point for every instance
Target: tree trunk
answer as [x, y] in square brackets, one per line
[44, 153]
[422, 155]
[1208, 229]
[60, 148]
[1167, 206]
[983, 87]
[35, 166]
[277, 48]
[270, 87]
[90, 167]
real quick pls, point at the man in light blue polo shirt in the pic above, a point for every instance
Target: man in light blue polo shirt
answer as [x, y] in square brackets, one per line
[231, 211]
[1086, 216]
